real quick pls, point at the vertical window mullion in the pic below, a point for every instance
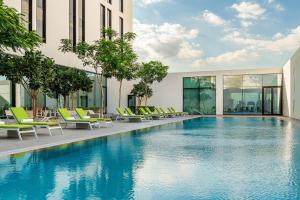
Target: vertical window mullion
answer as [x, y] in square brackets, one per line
[30, 15]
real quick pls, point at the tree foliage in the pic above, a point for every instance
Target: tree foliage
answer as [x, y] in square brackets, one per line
[100, 55]
[153, 71]
[13, 34]
[141, 91]
[33, 71]
[67, 81]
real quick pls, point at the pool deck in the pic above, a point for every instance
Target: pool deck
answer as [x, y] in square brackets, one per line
[10, 146]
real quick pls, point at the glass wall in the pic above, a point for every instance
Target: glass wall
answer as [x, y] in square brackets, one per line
[5, 94]
[81, 99]
[199, 95]
[243, 94]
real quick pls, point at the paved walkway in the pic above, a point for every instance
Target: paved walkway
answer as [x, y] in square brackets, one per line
[13, 145]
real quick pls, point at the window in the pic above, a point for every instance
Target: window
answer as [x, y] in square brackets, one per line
[121, 26]
[72, 21]
[102, 19]
[81, 19]
[41, 18]
[121, 6]
[243, 94]
[109, 18]
[199, 95]
[26, 10]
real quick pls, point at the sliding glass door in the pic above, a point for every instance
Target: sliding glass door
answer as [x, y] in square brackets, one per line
[272, 100]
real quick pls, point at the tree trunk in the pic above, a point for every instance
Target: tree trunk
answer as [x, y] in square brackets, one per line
[33, 94]
[100, 83]
[34, 106]
[146, 96]
[65, 101]
[72, 101]
[120, 92]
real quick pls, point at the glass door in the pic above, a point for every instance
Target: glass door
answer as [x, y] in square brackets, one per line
[272, 101]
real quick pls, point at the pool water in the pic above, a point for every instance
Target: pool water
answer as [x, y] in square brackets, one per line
[205, 158]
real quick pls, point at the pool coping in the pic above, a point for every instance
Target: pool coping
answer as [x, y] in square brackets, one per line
[8, 153]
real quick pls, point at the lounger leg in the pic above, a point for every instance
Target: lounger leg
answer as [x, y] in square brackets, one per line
[61, 130]
[19, 135]
[49, 131]
[35, 134]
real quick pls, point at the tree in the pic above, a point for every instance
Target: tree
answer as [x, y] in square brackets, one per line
[33, 71]
[100, 55]
[13, 34]
[153, 71]
[141, 90]
[67, 81]
[125, 60]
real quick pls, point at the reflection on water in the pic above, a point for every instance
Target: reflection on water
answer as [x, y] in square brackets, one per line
[206, 158]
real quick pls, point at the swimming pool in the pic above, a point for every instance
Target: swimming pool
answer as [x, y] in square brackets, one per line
[205, 158]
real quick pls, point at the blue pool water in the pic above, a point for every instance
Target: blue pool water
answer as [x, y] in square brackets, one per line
[207, 158]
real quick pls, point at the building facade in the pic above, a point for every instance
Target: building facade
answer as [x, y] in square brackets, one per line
[78, 20]
[256, 91]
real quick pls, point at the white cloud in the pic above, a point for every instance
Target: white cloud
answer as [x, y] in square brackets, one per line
[270, 1]
[279, 42]
[148, 2]
[248, 12]
[212, 18]
[165, 42]
[279, 7]
[230, 58]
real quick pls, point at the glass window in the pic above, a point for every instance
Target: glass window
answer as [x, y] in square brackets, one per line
[121, 26]
[121, 6]
[192, 82]
[5, 94]
[26, 10]
[233, 81]
[191, 101]
[72, 21]
[102, 19]
[109, 18]
[207, 82]
[252, 98]
[81, 19]
[41, 18]
[208, 101]
[199, 95]
[272, 80]
[233, 100]
[252, 80]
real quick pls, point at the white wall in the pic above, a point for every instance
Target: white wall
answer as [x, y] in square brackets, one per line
[57, 23]
[169, 92]
[292, 81]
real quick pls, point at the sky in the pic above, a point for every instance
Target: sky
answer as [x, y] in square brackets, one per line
[200, 35]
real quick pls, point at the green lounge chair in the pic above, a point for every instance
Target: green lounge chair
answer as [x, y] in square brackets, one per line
[131, 118]
[83, 115]
[180, 113]
[17, 129]
[80, 123]
[149, 115]
[149, 111]
[22, 118]
[166, 114]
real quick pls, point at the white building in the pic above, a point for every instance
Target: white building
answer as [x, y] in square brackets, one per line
[77, 20]
[254, 91]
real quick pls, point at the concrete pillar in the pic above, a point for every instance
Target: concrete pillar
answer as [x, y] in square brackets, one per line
[219, 94]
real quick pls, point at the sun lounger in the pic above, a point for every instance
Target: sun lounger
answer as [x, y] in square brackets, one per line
[123, 115]
[83, 115]
[80, 123]
[22, 118]
[17, 129]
